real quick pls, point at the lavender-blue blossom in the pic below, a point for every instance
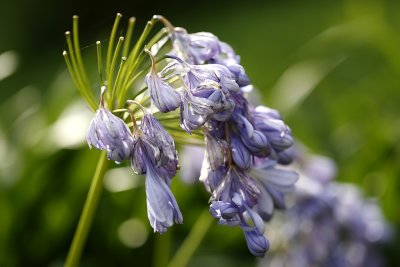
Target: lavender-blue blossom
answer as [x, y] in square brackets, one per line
[154, 155]
[163, 95]
[108, 132]
[329, 224]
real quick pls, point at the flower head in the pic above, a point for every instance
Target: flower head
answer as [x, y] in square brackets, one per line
[162, 209]
[154, 154]
[163, 95]
[197, 48]
[108, 132]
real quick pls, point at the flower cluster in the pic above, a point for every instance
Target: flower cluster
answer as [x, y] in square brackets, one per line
[152, 153]
[244, 145]
[201, 82]
[330, 223]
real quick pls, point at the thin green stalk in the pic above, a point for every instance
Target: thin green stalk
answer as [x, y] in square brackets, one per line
[74, 63]
[117, 83]
[192, 241]
[78, 56]
[162, 244]
[72, 73]
[85, 221]
[131, 60]
[99, 63]
[77, 81]
[110, 78]
[111, 43]
[157, 38]
[129, 33]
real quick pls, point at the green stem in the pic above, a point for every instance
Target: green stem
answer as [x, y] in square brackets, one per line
[192, 241]
[162, 244]
[85, 221]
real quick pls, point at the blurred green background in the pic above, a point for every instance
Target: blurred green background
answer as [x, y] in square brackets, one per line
[331, 67]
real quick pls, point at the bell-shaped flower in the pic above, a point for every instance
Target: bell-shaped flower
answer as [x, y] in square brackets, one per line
[190, 120]
[203, 46]
[198, 74]
[254, 140]
[236, 181]
[256, 242]
[202, 103]
[215, 151]
[239, 73]
[154, 155]
[240, 154]
[227, 55]
[153, 130]
[227, 213]
[280, 179]
[162, 209]
[163, 95]
[277, 132]
[226, 112]
[275, 183]
[285, 157]
[108, 132]
[139, 159]
[211, 178]
[198, 48]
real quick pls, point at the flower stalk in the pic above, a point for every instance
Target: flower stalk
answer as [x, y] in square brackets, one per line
[192, 241]
[89, 209]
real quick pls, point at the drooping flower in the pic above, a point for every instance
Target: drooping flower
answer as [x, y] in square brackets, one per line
[108, 132]
[197, 48]
[198, 74]
[277, 132]
[162, 209]
[240, 154]
[154, 154]
[168, 160]
[254, 140]
[163, 95]
[202, 103]
[275, 183]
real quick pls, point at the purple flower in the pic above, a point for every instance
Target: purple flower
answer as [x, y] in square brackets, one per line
[197, 48]
[254, 140]
[275, 182]
[256, 242]
[190, 120]
[108, 132]
[240, 154]
[162, 209]
[239, 73]
[236, 181]
[164, 96]
[198, 74]
[215, 151]
[211, 178]
[277, 132]
[227, 55]
[202, 103]
[233, 213]
[154, 154]
[152, 129]
[227, 213]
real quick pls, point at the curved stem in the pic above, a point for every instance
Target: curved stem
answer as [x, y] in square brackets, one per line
[85, 221]
[192, 241]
